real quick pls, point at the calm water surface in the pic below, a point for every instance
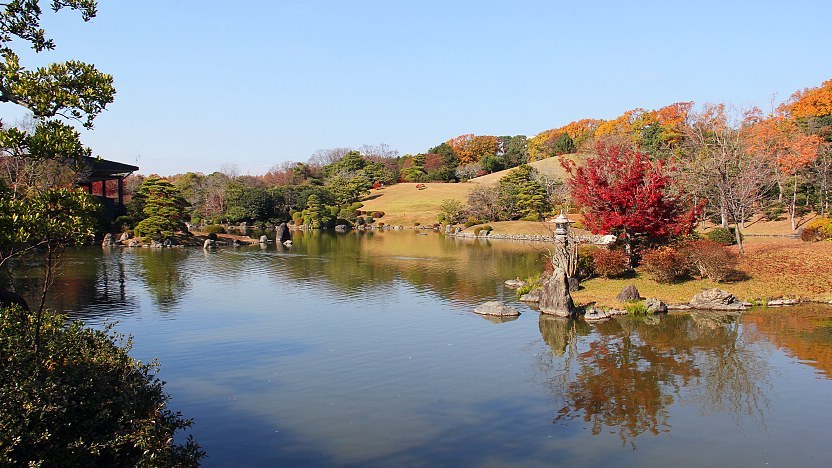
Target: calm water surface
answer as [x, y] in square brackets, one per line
[361, 349]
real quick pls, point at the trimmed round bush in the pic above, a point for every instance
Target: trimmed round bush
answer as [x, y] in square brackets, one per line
[710, 259]
[378, 214]
[610, 263]
[664, 265]
[215, 229]
[212, 236]
[721, 235]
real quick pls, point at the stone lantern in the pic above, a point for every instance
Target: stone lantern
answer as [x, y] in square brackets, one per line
[562, 227]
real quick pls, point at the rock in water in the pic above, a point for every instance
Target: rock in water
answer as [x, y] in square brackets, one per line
[209, 244]
[630, 293]
[108, 240]
[655, 306]
[596, 315]
[282, 233]
[532, 296]
[264, 239]
[716, 299]
[515, 283]
[496, 308]
[555, 298]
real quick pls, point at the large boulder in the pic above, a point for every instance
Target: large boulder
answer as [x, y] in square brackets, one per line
[655, 306]
[532, 296]
[594, 314]
[716, 299]
[496, 308]
[282, 233]
[555, 298]
[264, 239]
[629, 293]
[209, 244]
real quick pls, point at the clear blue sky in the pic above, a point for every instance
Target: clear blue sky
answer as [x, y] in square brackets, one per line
[205, 83]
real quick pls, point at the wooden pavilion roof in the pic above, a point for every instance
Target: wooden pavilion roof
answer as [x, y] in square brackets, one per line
[104, 169]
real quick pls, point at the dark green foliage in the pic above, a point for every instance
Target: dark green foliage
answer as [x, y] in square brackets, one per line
[586, 262]
[492, 163]
[721, 235]
[516, 151]
[215, 229]
[247, 203]
[164, 209]
[521, 195]
[564, 144]
[81, 400]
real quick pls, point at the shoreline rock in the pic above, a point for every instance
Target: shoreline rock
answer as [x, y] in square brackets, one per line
[496, 309]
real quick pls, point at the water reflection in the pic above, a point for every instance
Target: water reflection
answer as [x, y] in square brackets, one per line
[624, 375]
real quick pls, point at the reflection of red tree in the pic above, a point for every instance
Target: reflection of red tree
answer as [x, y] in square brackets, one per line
[803, 332]
[622, 383]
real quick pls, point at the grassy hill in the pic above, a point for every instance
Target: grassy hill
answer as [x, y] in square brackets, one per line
[404, 204]
[549, 166]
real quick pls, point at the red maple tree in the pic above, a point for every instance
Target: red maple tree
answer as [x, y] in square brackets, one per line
[622, 192]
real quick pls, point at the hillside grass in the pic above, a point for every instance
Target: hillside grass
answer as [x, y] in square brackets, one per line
[549, 166]
[404, 204]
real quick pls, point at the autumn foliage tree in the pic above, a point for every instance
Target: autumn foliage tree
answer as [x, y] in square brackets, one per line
[622, 192]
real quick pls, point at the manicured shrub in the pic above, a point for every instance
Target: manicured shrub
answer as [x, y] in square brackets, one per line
[471, 222]
[380, 224]
[215, 229]
[122, 223]
[585, 267]
[212, 236]
[484, 228]
[774, 212]
[664, 265]
[709, 259]
[378, 214]
[369, 220]
[417, 223]
[360, 221]
[610, 263]
[721, 235]
[817, 230]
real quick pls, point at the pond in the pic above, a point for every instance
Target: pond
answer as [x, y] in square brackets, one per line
[362, 349]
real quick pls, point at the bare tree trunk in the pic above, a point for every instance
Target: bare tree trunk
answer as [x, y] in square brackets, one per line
[793, 206]
[738, 237]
